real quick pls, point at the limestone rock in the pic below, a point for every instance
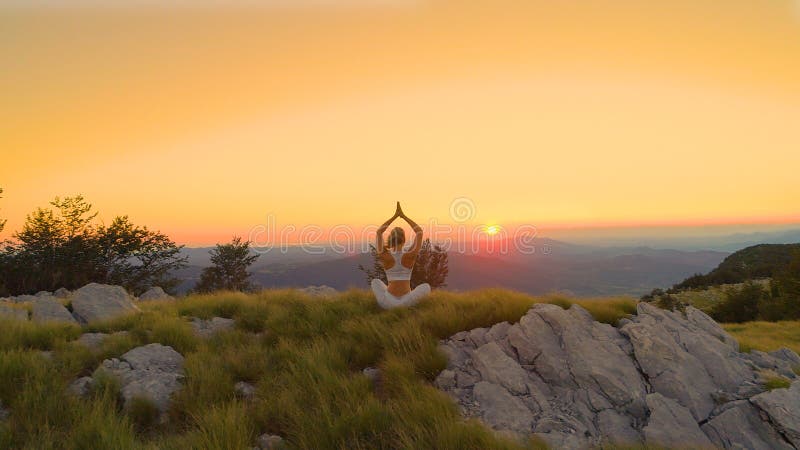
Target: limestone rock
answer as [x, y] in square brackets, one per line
[672, 425]
[207, 328]
[8, 312]
[270, 442]
[62, 293]
[25, 298]
[47, 309]
[153, 371]
[100, 302]
[783, 408]
[500, 409]
[740, 426]
[93, 341]
[245, 390]
[81, 387]
[155, 293]
[787, 355]
[662, 378]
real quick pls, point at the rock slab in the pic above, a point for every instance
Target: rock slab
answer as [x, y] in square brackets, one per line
[662, 378]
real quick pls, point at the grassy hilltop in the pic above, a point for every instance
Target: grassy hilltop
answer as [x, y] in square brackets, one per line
[305, 356]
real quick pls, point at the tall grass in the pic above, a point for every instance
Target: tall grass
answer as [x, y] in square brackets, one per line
[304, 355]
[766, 336]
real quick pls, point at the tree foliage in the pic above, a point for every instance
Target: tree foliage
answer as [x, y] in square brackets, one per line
[740, 304]
[2, 221]
[63, 247]
[430, 267]
[229, 271]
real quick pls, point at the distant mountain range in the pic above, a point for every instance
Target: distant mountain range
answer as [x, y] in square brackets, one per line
[554, 266]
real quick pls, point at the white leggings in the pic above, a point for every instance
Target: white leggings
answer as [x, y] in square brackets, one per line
[388, 301]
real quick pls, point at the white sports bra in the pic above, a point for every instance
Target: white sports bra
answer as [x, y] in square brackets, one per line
[398, 271]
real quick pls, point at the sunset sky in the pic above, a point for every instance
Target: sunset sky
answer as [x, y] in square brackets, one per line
[203, 120]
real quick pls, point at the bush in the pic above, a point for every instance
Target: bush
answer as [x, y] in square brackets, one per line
[740, 305]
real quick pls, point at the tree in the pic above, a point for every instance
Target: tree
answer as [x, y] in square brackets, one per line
[785, 287]
[2, 221]
[61, 247]
[430, 267]
[229, 270]
[136, 257]
[740, 305]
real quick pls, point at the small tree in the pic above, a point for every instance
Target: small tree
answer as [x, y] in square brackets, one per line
[229, 271]
[430, 267]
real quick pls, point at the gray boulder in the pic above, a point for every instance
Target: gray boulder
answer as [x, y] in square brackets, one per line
[25, 298]
[245, 390]
[741, 426]
[269, 442]
[81, 387]
[672, 425]
[101, 302]
[92, 341]
[8, 312]
[783, 408]
[153, 371]
[155, 293]
[787, 355]
[500, 409]
[207, 328]
[62, 293]
[47, 308]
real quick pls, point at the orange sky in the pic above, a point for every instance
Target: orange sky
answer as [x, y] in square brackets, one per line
[202, 121]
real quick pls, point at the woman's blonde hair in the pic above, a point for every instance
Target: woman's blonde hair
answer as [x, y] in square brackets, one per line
[397, 237]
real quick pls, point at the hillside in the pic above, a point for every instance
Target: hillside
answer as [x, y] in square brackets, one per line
[758, 261]
[230, 370]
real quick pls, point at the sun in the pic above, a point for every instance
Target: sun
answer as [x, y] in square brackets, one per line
[491, 230]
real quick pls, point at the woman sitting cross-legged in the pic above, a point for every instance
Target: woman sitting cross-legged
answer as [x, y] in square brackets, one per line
[398, 265]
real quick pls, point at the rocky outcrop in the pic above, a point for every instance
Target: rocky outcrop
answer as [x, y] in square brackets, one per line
[207, 328]
[153, 371]
[100, 302]
[47, 308]
[155, 293]
[661, 379]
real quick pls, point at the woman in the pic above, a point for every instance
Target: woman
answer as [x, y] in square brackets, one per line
[398, 264]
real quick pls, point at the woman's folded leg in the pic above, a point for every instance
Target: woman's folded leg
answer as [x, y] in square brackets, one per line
[416, 294]
[381, 294]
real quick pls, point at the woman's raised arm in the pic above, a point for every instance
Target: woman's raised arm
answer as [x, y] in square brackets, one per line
[379, 238]
[417, 232]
